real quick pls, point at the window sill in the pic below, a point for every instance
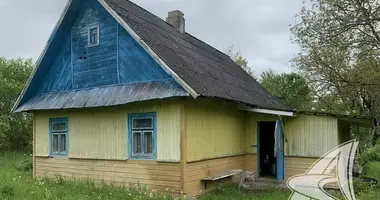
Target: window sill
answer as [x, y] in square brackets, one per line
[58, 156]
[92, 45]
[143, 158]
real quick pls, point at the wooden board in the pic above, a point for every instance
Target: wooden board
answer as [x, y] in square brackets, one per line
[197, 171]
[153, 175]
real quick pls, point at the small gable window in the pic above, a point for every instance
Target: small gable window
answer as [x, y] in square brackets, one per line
[93, 35]
[142, 136]
[58, 136]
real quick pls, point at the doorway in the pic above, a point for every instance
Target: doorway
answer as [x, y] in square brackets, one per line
[266, 140]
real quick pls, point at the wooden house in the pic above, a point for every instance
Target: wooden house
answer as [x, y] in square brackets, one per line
[123, 96]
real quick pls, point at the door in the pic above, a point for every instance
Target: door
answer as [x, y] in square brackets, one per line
[279, 148]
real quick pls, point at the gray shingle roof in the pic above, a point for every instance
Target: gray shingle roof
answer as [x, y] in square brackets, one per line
[208, 71]
[110, 96]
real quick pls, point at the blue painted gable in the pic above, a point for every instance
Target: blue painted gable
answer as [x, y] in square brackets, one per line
[96, 65]
[118, 59]
[70, 64]
[135, 64]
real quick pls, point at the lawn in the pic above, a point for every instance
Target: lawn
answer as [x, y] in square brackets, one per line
[16, 183]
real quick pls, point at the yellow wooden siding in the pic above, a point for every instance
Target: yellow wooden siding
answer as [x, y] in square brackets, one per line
[310, 135]
[197, 171]
[41, 128]
[153, 175]
[214, 129]
[251, 121]
[103, 133]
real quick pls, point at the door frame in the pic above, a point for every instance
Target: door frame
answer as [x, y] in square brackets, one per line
[278, 169]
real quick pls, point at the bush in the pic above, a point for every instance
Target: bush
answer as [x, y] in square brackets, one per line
[369, 155]
[15, 128]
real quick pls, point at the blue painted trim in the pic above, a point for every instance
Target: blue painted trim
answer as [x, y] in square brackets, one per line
[117, 52]
[59, 154]
[279, 153]
[130, 136]
[258, 149]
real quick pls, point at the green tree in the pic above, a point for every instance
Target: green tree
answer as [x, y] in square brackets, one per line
[339, 43]
[239, 60]
[15, 128]
[291, 88]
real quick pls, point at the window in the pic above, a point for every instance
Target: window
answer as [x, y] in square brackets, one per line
[93, 35]
[58, 136]
[142, 135]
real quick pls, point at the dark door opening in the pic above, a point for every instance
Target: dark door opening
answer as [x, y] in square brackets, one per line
[266, 151]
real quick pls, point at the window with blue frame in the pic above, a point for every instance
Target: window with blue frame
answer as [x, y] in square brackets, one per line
[58, 136]
[142, 135]
[93, 35]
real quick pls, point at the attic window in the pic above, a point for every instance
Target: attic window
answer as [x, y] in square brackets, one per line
[93, 35]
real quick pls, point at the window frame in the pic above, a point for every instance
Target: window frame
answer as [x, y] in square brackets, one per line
[89, 35]
[59, 133]
[131, 130]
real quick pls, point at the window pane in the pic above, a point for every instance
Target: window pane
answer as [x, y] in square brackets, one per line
[63, 142]
[94, 35]
[143, 123]
[55, 143]
[148, 142]
[59, 126]
[136, 142]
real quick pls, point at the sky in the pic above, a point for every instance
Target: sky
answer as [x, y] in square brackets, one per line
[258, 29]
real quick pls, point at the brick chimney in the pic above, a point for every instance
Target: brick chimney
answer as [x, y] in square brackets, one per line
[177, 20]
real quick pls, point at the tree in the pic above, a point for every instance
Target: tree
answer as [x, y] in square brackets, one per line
[339, 43]
[239, 60]
[15, 128]
[291, 88]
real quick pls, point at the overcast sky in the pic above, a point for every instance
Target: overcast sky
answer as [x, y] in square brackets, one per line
[258, 29]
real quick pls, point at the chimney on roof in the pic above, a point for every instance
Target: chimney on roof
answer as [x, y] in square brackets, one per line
[177, 20]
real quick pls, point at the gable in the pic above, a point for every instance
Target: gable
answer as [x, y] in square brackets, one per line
[70, 64]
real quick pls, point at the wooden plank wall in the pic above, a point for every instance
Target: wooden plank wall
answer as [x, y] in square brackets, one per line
[97, 65]
[297, 165]
[214, 128]
[197, 171]
[118, 59]
[102, 133]
[152, 174]
[300, 165]
[310, 135]
[251, 162]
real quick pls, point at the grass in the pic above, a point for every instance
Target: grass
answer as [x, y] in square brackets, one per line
[231, 192]
[16, 183]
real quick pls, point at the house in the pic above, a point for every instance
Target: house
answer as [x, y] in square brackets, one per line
[123, 96]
